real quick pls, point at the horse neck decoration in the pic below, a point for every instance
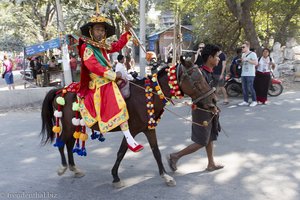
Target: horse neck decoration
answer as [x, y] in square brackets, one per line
[138, 114]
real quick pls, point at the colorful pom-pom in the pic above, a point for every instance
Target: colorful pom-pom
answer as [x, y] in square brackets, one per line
[76, 134]
[82, 123]
[56, 129]
[75, 106]
[75, 121]
[83, 136]
[57, 114]
[60, 101]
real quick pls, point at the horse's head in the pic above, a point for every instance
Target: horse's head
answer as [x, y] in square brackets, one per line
[192, 82]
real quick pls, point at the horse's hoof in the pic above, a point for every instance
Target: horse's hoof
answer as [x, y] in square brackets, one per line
[169, 180]
[77, 172]
[118, 185]
[171, 183]
[61, 170]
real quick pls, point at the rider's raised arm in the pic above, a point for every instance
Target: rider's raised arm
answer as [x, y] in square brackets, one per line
[117, 46]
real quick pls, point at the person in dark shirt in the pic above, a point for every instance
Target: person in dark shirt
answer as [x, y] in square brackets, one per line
[236, 64]
[202, 136]
[198, 57]
[219, 76]
[39, 72]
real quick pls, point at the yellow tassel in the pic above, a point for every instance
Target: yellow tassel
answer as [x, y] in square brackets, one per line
[56, 129]
[76, 134]
[83, 137]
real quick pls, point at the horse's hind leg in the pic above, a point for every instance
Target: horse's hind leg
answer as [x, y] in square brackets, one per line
[62, 169]
[77, 172]
[151, 137]
[120, 155]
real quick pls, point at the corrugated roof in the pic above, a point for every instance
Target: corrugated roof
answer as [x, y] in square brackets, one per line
[188, 27]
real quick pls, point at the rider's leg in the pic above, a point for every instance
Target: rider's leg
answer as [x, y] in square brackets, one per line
[132, 144]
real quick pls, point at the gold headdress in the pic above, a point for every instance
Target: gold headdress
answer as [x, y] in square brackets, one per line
[97, 19]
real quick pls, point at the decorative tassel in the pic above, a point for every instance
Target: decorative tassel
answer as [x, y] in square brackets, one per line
[58, 114]
[101, 138]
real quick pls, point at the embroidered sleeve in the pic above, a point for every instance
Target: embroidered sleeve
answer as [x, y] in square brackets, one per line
[91, 62]
[117, 46]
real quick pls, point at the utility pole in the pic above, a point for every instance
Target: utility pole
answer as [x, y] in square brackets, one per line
[142, 58]
[64, 46]
[175, 37]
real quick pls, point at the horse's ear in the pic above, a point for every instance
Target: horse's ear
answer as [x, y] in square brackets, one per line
[182, 60]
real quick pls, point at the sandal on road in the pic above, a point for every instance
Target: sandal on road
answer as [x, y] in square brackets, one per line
[213, 168]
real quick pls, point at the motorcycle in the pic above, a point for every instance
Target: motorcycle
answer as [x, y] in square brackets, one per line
[234, 88]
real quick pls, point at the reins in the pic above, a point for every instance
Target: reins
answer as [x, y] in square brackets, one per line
[204, 124]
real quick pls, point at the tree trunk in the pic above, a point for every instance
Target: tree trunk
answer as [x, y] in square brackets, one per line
[242, 12]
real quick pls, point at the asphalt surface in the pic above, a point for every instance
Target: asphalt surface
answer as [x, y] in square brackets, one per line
[260, 150]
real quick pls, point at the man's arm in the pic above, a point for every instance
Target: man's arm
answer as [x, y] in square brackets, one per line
[118, 46]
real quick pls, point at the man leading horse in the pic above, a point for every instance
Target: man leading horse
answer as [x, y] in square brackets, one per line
[100, 99]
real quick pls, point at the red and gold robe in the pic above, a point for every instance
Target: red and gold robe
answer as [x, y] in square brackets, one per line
[100, 99]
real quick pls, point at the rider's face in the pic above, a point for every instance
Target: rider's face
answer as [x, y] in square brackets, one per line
[98, 32]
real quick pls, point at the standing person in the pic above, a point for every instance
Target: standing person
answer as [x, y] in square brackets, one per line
[7, 73]
[263, 76]
[33, 68]
[198, 57]
[219, 76]
[202, 136]
[129, 62]
[249, 61]
[73, 66]
[100, 98]
[235, 67]
[39, 72]
[52, 63]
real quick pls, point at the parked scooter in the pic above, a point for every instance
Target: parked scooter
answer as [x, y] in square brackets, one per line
[233, 86]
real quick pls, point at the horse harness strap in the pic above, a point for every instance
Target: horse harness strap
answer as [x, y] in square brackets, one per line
[211, 91]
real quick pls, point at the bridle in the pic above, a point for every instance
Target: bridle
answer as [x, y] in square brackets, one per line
[185, 73]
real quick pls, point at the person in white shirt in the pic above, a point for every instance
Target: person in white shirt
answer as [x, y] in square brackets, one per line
[120, 67]
[263, 76]
[249, 61]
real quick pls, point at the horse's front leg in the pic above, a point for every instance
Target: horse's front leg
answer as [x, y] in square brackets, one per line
[151, 137]
[120, 155]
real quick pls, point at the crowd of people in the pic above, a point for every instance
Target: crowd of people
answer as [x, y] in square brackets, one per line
[255, 73]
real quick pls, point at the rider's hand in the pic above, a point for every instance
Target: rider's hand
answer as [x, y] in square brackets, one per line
[128, 25]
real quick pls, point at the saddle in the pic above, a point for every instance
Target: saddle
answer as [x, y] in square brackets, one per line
[124, 87]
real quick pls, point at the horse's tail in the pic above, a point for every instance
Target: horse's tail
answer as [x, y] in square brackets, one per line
[47, 117]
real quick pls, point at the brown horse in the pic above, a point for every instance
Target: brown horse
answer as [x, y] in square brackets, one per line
[191, 83]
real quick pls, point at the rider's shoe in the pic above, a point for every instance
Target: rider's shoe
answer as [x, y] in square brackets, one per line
[137, 148]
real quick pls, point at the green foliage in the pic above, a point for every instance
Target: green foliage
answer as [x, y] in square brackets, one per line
[214, 23]
[26, 22]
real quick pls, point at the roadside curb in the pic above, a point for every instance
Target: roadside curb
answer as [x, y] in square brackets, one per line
[12, 99]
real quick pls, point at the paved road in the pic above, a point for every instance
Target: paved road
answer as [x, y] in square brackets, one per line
[260, 154]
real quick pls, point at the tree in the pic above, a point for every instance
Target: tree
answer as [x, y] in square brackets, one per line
[242, 12]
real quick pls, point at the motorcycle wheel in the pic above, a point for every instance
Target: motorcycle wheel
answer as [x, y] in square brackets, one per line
[275, 90]
[233, 89]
